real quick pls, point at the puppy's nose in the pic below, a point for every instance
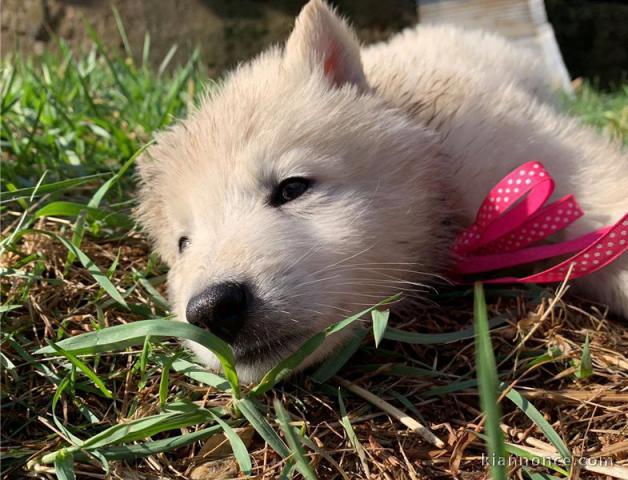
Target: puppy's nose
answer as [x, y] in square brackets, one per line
[220, 308]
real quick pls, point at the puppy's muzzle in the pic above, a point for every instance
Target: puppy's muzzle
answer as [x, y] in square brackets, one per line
[221, 308]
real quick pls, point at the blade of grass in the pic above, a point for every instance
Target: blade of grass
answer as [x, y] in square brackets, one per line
[353, 438]
[79, 226]
[143, 361]
[62, 428]
[164, 382]
[538, 475]
[403, 370]
[437, 338]
[64, 466]
[47, 188]
[287, 472]
[21, 223]
[408, 404]
[336, 361]
[283, 368]
[73, 209]
[112, 68]
[6, 91]
[40, 109]
[105, 187]
[89, 373]
[380, 322]
[122, 32]
[157, 298]
[297, 452]
[488, 386]
[87, 262]
[451, 388]
[261, 426]
[8, 366]
[8, 308]
[170, 419]
[146, 449]
[74, 441]
[200, 374]
[537, 417]
[237, 445]
[122, 336]
[146, 51]
[166, 60]
[585, 365]
[136, 430]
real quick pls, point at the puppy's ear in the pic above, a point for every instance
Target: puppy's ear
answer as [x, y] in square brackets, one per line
[321, 40]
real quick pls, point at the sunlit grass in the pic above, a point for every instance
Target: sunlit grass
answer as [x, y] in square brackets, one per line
[73, 262]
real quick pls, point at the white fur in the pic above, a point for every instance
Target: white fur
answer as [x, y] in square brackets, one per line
[398, 149]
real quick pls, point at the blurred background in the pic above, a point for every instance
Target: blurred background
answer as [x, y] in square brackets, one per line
[592, 35]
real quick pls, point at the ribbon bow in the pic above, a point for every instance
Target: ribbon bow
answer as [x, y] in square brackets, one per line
[513, 217]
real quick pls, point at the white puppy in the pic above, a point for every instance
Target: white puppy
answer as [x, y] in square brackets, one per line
[321, 178]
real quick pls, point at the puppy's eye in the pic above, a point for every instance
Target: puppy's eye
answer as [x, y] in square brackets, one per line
[184, 242]
[289, 189]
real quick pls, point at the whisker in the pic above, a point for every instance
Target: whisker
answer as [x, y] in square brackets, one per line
[402, 270]
[304, 256]
[315, 281]
[344, 260]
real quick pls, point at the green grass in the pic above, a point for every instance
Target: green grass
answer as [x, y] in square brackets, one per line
[68, 117]
[73, 261]
[607, 111]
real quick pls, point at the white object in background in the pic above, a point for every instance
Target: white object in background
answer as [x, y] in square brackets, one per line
[522, 21]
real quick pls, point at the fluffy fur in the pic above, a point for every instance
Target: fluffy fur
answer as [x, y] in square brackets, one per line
[403, 139]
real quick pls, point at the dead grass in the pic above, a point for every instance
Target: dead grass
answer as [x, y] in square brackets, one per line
[591, 415]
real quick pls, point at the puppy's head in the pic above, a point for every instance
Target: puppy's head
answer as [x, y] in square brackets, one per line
[292, 197]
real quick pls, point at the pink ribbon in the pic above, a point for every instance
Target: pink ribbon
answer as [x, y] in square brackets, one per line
[513, 217]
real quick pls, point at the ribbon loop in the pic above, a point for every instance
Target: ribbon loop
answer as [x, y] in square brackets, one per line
[513, 217]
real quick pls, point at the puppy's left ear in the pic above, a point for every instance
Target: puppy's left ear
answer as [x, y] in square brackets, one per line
[321, 40]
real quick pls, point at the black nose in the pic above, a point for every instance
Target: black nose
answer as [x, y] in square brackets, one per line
[221, 308]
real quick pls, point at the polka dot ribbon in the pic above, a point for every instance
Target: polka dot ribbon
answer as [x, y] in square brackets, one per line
[514, 217]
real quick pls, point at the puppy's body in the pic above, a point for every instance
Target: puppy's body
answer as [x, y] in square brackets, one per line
[485, 98]
[395, 143]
